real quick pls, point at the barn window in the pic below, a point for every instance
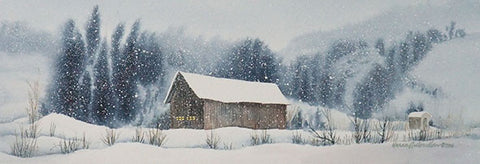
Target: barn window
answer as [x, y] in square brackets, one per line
[180, 118]
[191, 118]
[188, 118]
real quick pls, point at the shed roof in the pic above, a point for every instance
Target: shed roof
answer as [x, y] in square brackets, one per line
[420, 114]
[230, 90]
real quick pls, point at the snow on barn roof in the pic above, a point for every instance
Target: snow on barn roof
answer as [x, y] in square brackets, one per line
[419, 114]
[230, 90]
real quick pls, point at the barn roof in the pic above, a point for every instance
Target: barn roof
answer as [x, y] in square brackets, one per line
[230, 90]
[420, 114]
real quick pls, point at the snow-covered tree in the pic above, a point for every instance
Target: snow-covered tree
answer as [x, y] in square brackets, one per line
[102, 104]
[69, 67]
[117, 65]
[302, 81]
[127, 77]
[380, 46]
[93, 35]
[250, 60]
[150, 60]
[85, 97]
[150, 76]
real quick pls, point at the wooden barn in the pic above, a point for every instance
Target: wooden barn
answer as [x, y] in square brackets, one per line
[205, 102]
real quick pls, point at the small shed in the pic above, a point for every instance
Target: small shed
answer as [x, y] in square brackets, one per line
[419, 120]
[205, 102]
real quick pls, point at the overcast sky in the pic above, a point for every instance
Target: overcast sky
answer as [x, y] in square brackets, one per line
[276, 22]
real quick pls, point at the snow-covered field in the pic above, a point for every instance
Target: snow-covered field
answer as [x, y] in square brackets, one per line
[464, 151]
[451, 67]
[188, 146]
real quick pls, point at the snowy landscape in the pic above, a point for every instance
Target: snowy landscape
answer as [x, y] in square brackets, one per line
[100, 81]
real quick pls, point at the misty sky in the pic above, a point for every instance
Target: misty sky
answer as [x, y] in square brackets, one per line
[276, 22]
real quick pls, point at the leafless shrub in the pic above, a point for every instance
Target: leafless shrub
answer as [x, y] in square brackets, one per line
[212, 140]
[297, 138]
[265, 137]
[361, 131]
[139, 136]
[328, 136]
[73, 144]
[262, 138]
[84, 142]
[357, 125]
[426, 135]
[254, 139]
[24, 146]
[385, 130]
[69, 145]
[53, 128]
[417, 135]
[30, 132]
[110, 137]
[33, 102]
[156, 137]
[315, 142]
[347, 140]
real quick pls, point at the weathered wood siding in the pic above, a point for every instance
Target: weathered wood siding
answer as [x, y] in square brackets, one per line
[249, 115]
[186, 108]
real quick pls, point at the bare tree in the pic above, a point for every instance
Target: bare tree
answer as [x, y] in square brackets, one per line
[361, 128]
[385, 129]
[328, 136]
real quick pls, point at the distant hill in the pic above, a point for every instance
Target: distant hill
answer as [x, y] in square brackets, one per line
[392, 26]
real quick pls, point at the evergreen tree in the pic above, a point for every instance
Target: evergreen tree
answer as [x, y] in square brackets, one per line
[85, 95]
[64, 93]
[403, 57]
[451, 30]
[301, 81]
[150, 74]
[380, 46]
[250, 60]
[435, 36]
[93, 35]
[127, 80]
[92, 43]
[117, 65]
[392, 78]
[420, 45]
[102, 96]
[370, 95]
[150, 60]
[415, 108]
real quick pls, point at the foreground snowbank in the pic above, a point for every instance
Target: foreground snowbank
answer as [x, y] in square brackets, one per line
[464, 151]
[188, 145]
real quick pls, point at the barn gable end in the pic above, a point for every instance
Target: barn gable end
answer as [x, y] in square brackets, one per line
[186, 109]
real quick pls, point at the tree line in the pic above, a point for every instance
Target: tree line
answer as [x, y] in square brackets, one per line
[123, 81]
[99, 83]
